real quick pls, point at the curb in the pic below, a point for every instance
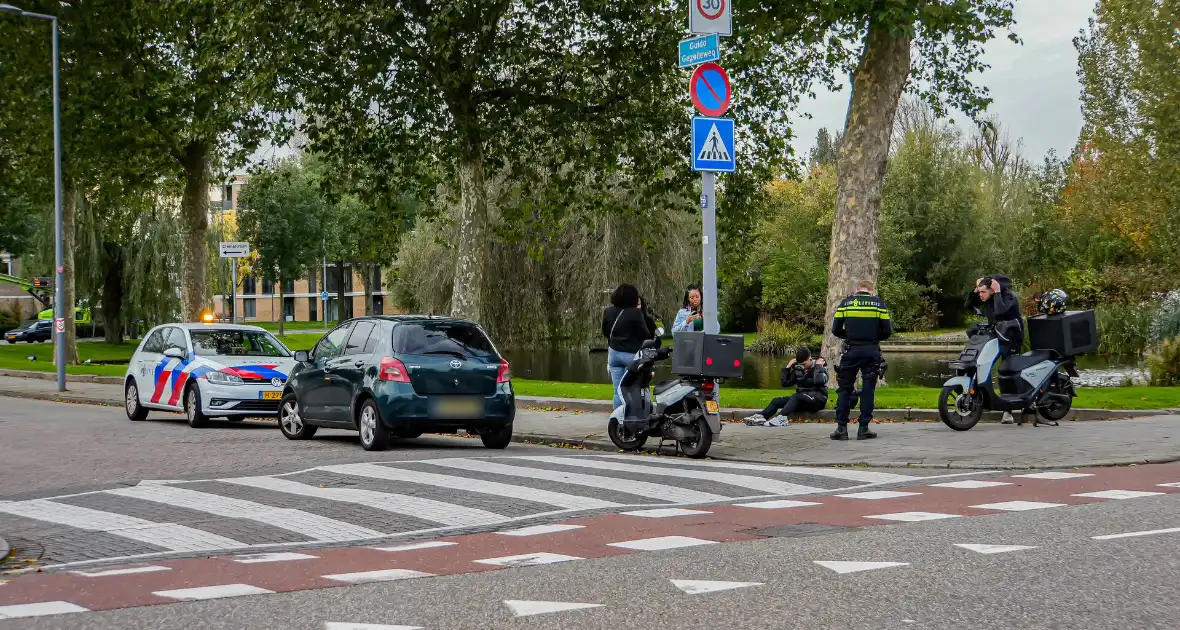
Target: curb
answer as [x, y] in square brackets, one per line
[52, 376]
[600, 445]
[5, 549]
[62, 398]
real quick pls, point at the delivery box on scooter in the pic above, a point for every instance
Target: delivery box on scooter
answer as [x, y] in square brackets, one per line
[1070, 334]
[706, 355]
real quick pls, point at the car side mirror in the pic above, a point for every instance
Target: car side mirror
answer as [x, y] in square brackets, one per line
[175, 353]
[301, 356]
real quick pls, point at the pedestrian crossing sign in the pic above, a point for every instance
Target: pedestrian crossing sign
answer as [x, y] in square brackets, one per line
[712, 145]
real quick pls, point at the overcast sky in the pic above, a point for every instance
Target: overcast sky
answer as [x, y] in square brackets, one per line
[1034, 86]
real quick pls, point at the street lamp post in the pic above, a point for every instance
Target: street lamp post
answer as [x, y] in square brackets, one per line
[59, 304]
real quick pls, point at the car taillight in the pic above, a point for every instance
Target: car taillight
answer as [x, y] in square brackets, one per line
[505, 374]
[393, 370]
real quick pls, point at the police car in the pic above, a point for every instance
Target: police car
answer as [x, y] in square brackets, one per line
[207, 370]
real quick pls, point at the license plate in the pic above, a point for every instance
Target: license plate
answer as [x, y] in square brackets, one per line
[465, 408]
[270, 395]
[711, 406]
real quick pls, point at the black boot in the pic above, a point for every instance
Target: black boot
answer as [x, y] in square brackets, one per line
[841, 432]
[863, 433]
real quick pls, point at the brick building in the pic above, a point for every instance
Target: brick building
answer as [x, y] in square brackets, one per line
[258, 300]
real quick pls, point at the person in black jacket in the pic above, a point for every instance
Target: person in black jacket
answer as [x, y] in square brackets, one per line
[994, 297]
[810, 378]
[626, 324]
[863, 322]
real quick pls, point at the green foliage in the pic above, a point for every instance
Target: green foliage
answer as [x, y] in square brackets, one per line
[1125, 329]
[1164, 363]
[779, 338]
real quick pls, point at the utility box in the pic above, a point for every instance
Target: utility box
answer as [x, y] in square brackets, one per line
[709, 356]
[1072, 333]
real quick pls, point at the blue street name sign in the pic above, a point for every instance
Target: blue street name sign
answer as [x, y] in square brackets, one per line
[698, 50]
[712, 145]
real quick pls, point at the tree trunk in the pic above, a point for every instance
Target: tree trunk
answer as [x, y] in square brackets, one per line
[466, 293]
[340, 297]
[864, 150]
[194, 211]
[69, 216]
[367, 278]
[112, 293]
[282, 305]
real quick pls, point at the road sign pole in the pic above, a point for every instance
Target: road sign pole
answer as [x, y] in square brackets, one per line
[233, 300]
[709, 250]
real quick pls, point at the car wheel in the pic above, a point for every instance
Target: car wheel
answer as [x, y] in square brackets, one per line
[291, 423]
[192, 408]
[374, 435]
[135, 411]
[498, 439]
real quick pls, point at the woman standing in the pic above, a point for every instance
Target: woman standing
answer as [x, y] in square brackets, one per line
[626, 326]
[689, 318]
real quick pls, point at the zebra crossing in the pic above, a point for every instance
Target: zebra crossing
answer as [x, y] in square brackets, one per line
[359, 502]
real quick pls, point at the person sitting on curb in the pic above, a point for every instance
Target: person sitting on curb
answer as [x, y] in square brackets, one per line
[810, 378]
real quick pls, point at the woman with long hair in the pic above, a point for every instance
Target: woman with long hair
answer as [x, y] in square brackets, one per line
[626, 324]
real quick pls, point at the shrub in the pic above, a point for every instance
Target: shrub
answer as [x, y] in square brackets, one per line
[1164, 363]
[1125, 329]
[775, 337]
[1167, 321]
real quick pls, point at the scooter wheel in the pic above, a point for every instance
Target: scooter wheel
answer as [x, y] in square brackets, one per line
[629, 443]
[959, 410]
[698, 447]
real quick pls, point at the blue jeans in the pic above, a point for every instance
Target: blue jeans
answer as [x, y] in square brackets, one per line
[617, 363]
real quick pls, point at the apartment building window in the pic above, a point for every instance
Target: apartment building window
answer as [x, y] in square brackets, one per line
[289, 308]
[375, 279]
[288, 287]
[250, 285]
[312, 313]
[268, 286]
[311, 282]
[227, 197]
[249, 308]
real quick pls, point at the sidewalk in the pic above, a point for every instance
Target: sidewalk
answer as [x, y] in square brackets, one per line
[1148, 438]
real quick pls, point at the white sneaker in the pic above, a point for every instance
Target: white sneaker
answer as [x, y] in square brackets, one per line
[778, 421]
[755, 420]
[1007, 419]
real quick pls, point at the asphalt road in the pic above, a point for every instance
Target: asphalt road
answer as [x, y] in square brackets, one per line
[1067, 581]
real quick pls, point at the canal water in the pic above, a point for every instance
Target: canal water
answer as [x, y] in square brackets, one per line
[762, 371]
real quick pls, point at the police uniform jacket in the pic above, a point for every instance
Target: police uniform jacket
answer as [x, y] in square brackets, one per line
[862, 320]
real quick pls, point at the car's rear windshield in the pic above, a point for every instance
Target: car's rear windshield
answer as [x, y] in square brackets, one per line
[456, 339]
[244, 343]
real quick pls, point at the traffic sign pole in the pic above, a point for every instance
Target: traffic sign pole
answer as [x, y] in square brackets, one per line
[233, 301]
[709, 251]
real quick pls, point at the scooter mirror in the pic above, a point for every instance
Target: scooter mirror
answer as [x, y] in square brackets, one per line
[660, 332]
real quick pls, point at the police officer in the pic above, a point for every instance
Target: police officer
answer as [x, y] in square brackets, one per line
[863, 322]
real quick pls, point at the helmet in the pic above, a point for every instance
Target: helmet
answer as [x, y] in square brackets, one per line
[1052, 302]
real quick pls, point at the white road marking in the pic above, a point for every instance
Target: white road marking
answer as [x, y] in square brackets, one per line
[1017, 506]
[165, 535]
[1174, 484]
[864, 476]
[384, 575]
[538, 530]
[261, 558]
[665, 513]
[777, 505]
[128, 571]
[841, 566]
[968, 484]
[662, 543]
[567, 501]
[319, 528]
[876, 495]
[40, 609]
[432, 544]
[212, 592]
[426, 509]
[698, 587]
[990, 549]
[521, 608]
[1118, 494]
[662, 492]
[761, 484]
[913, 517]
[1150, 532]
[528, 560]
[336, 625]
[1053, 475]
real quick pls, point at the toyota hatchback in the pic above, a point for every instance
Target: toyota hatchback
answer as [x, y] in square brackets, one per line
[400, 376]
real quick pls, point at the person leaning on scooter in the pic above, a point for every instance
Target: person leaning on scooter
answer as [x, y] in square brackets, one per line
[863, 322]
[993, 297]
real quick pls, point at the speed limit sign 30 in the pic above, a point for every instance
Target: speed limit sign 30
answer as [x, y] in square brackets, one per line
[710, 16]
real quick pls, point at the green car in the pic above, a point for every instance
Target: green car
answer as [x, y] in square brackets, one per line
[399, 377]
